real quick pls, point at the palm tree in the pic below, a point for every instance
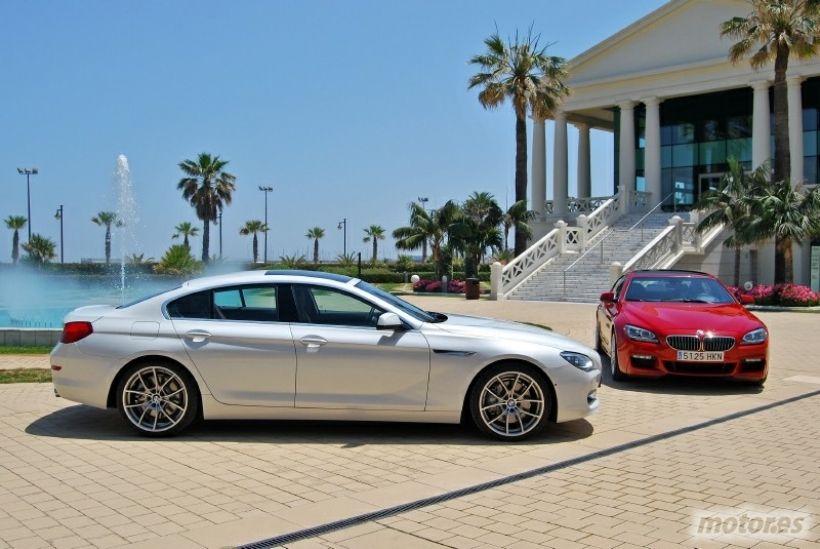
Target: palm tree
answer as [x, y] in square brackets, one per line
[374, 233]
[208, 187]
[776, 30]
[477, 229]
[185, 229]
[315, 234]
[517, 216]
[418, 232]
[15, 223]
[432, 227]
[533, 81]
[729, 204]
[253, 227]
[106, 219]
[788, 214]
[40, 249]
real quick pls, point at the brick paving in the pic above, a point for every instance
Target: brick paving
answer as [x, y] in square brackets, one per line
[72, 476]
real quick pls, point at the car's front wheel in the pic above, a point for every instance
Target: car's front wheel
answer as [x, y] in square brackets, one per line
[157, 399]
[617, 374]
[510, 401]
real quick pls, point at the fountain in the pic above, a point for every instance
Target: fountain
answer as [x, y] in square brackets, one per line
[126, 215]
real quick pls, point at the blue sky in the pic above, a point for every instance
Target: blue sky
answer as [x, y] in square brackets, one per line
[348, 109]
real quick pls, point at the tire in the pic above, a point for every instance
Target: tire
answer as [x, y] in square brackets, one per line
[511, 416]
[599, 346]
[617, 374]
[157, 399]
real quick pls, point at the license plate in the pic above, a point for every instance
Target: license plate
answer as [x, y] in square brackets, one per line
[700, 356]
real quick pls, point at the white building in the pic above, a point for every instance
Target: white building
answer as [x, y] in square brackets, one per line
[678, 109]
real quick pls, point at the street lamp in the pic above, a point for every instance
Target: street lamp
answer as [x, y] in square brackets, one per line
[59, 215]
[424, 200]
[220, 232]
[343, 226]
[28, 172]
[266, 190]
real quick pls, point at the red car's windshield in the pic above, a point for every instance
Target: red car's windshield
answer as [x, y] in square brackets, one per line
[669, 289]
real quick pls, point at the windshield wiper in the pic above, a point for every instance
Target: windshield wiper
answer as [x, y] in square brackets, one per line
[683, 300]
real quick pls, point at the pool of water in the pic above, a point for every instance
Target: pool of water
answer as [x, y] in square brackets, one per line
[32, 300]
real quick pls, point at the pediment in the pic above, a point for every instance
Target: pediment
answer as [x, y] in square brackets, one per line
[681, 33]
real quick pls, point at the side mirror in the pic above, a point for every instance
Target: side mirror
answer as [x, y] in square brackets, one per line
[389, 321]
[746, 299]
[608, 297]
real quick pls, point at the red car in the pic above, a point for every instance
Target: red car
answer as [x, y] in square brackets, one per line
[659, 323]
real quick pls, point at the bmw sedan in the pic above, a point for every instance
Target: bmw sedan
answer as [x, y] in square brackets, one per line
[658, 323]
[316, 346]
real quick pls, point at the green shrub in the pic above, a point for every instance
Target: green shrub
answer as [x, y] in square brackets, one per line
[178, 261]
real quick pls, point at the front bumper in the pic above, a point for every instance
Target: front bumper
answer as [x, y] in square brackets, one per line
[742, 362]
[576, 392]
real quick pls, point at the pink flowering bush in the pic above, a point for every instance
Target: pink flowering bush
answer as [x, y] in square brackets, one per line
[787, 295]
[430, 285]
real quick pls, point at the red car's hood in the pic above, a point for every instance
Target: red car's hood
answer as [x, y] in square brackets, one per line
[669, 318]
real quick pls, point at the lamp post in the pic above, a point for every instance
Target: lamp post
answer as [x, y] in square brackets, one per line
[59, 215]
[220, 232]
[424, 200]
[266, 190]
[28, 172]
[343, 226]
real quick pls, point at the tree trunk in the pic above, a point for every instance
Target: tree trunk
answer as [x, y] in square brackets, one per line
[15, 247]
[506, 238]
[375, 249]
[255, 248]
[782, 165]
[108, 244]
[520, 175]
[783, 268]
[737, 267]
[206, 239]
[424, 250]
[315, 250]
[186, 243]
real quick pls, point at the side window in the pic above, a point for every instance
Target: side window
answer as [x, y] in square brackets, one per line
[196, 305]
[322, 305]
[616, 289]
[250, 303]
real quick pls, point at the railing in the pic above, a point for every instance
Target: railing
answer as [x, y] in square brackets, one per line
[606, 212]
[640, 199]
[661, 249]
[525, 264]
[578, 205]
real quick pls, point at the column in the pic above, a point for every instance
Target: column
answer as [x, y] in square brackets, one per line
[626, 155]
[761, 124]
[560, 172]
[652, 157]
[539, 168]
[796, 128]
[584, 179]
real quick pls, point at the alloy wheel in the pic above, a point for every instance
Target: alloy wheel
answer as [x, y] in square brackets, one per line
[511, 404]
[155, 399]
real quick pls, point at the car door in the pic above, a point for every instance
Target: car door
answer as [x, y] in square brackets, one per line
[236, 340]
[344, 361]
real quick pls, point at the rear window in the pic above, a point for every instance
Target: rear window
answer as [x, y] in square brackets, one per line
[248, 303]
[196, 305]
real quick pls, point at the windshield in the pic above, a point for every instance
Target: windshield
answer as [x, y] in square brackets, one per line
[683, 289]
[411, 310]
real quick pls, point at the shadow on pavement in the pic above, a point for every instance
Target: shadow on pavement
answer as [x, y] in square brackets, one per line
[85, 422]
[679, 385]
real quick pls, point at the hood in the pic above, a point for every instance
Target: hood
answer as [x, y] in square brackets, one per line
[689, 317]
[492, 328]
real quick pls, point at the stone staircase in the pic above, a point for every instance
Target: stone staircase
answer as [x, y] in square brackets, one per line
[589, 277]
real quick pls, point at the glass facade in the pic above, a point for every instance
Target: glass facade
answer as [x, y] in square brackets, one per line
[700, 133]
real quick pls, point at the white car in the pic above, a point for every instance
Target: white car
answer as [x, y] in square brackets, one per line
[310, 345]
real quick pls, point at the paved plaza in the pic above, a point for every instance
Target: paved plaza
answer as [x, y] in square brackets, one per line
[73, 476]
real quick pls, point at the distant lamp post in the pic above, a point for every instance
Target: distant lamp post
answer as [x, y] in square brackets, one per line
[424, 200]
[220, 232]
[59, 215]
[28, 172]
[266, 190]
[343, 226]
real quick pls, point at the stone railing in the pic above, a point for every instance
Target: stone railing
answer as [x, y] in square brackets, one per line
[561, 239]
[695, 242]
[578, 205]
[641, 200]
[661, 253]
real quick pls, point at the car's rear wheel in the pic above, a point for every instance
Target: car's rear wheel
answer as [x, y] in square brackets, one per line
[157, 399]
[510, 401]
[615, 367]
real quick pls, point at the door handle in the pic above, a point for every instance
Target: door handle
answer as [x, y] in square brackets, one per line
[313, 342]
[198, 336]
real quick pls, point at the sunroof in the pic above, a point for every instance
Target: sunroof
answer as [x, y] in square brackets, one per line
[314, 274]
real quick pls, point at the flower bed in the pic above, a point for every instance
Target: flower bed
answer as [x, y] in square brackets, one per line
[431, 285]
[784, 295]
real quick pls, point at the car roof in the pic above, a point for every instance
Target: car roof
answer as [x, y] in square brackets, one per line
[265, 276]
[669, 273]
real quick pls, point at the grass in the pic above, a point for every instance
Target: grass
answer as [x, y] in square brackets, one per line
[25, 350]
[25, 375]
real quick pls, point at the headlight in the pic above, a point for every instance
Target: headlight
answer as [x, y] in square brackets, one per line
[755, 336]
[640, 334]
[582, 362]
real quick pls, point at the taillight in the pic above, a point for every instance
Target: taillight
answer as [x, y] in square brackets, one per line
[75, 331]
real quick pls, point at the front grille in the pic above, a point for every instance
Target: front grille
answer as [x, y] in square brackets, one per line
[693, 343]
[712, 368]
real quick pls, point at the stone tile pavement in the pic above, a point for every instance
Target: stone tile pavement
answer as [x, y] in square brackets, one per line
[72, 476]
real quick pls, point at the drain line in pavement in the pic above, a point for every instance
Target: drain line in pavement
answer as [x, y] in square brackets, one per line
[322, 529]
